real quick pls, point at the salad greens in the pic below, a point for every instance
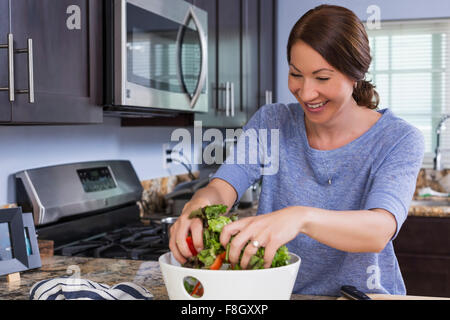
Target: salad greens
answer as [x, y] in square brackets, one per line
[214, 255]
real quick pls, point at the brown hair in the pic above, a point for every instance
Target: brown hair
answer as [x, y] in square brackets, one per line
[339, 37]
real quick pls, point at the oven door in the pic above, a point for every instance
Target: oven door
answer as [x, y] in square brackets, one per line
[161, 59]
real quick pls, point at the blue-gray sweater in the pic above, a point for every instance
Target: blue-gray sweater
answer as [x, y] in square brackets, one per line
[377, 170]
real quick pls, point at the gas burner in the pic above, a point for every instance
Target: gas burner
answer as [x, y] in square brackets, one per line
[142, 242]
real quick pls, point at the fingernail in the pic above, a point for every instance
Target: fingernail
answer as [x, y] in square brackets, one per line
[199, 249]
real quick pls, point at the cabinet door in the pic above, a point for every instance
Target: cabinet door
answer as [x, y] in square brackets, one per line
[229, 61]
[250, 57]
[214, 116]
[67, 39]
[5, 105]
[266, 49]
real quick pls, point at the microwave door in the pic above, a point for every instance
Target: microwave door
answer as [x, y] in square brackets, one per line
[192, 58]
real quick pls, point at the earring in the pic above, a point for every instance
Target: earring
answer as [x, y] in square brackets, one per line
[355, 85]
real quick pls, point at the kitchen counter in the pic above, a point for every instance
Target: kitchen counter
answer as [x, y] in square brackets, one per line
[144, 273]
[414, 210]
[105, 271]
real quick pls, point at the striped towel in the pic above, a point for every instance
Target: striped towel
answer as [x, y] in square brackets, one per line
[81, 289]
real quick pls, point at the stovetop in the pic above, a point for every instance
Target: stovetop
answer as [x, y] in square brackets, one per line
[137, 242]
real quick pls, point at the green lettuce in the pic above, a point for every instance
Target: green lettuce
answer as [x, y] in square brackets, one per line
[213, 222]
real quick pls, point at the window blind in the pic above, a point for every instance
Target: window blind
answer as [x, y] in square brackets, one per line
[409, 68]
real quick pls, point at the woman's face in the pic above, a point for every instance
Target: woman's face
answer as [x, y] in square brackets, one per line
[321, 90]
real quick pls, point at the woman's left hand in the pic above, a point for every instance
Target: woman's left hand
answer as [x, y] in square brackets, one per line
[271, 231]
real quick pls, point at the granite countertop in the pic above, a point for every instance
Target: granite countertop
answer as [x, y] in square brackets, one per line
[428, 207]
[105, 271]
[414, 210]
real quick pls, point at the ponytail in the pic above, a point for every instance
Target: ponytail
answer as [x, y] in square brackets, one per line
[365, 94]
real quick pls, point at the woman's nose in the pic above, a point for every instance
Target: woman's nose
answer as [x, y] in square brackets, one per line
[308, 91]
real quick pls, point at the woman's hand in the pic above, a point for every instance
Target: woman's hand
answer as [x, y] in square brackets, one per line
[271, 230]
[181, 228]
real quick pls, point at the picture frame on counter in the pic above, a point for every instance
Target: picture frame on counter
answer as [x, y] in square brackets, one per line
[19, 249]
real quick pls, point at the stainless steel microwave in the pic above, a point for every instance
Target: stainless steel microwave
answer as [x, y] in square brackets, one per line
[156, 55]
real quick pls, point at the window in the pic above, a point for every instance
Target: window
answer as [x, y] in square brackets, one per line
[409, 68]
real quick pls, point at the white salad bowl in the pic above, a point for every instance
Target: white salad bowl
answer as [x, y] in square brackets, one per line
[261, 284]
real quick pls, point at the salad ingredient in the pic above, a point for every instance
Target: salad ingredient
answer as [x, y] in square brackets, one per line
[214, 255]
[194, 291]
[190, 244]
[218, 262]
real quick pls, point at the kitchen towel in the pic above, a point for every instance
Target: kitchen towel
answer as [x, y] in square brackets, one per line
[80, 289]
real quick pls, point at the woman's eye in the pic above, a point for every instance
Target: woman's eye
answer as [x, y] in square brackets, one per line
[323, 79]
[295, 75]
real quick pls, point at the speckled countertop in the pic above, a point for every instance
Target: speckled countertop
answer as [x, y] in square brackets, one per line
[414, 210]
[427, 208]
[105, 271]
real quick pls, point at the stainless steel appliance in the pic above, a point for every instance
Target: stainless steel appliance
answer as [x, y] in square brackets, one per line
[157, 55]
[90, 209]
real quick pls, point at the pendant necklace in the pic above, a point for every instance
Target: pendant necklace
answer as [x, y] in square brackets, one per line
[326, 170]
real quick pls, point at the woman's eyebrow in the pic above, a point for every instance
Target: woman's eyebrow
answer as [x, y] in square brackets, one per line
[317, 71]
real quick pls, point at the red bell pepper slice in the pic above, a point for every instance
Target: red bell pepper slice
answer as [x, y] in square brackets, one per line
[218, 262]
[190, 244]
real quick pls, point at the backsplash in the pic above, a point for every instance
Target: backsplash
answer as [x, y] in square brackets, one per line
[154, 191]
[436, 180]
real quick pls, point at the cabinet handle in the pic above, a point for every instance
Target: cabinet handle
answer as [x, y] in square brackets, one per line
[29, 52]
[227, 99]
[269, 99]
[10, 47]
[232, 98]
[30, 71]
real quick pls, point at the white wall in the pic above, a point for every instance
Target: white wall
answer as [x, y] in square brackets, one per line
[25, 147]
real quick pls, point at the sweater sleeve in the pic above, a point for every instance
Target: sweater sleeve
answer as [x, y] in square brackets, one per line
[394, 182]
[243, 166]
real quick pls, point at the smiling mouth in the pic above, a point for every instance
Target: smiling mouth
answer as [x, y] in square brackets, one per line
[317, 106]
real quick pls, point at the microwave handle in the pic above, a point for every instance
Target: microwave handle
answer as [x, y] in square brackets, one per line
[204, 51]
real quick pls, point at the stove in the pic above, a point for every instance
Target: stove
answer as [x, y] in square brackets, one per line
[131, 242]
[90, 209]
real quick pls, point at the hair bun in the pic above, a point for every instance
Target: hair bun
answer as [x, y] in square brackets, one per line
[365, 94]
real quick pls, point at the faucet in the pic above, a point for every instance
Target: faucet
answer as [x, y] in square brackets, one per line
[437, 156]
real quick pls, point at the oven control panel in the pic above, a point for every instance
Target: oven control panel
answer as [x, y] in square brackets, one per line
[96, 179]
[76, 189]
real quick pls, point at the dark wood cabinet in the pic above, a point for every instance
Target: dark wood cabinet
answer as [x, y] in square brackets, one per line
[67, 61]
[267, 38]
[5, 105]
[238, 51]
[423, 252]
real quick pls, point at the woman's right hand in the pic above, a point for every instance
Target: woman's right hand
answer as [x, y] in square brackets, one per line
[181, 228]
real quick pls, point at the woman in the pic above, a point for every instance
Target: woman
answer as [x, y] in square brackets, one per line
[347, 171]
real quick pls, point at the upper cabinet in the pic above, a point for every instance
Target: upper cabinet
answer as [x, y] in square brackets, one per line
[51, 61]
[241, 60]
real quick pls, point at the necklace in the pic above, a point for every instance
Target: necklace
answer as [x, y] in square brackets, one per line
[326, 170]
